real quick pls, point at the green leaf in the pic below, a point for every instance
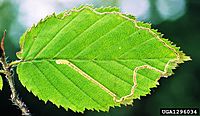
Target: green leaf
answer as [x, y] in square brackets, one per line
[1, 83]
[89, 58]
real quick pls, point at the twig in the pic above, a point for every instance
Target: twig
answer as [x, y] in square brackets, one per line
[7, 71]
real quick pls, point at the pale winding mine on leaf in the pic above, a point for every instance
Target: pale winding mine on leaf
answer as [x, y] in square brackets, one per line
[85, 75]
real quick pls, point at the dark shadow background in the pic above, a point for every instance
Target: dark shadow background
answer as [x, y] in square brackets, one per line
[179, 90]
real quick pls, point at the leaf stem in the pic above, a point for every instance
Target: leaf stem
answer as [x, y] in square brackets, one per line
[7, 71]
[14, 63]
[2, 71]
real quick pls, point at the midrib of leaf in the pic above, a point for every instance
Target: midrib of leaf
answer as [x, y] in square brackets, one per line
[80, 59]
[74, 67]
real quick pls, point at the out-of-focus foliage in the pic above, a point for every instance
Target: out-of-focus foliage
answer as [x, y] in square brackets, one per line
[180, 90]
[8, 15]
[1, 83]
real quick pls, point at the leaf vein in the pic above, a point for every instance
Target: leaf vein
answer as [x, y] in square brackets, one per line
[60, 30]
[98, 39]
[118, 42]
[137, 72]
[27, 53]
[77, 86]
[137, 46]
[80, 71]
[100, 19]
[54, 85]
[118, 76]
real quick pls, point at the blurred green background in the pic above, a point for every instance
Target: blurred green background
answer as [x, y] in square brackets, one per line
[178, 20]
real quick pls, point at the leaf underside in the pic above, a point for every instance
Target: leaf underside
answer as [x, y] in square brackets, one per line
[93, 59]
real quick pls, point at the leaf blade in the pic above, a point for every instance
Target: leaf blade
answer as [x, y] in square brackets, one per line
[112, 52]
